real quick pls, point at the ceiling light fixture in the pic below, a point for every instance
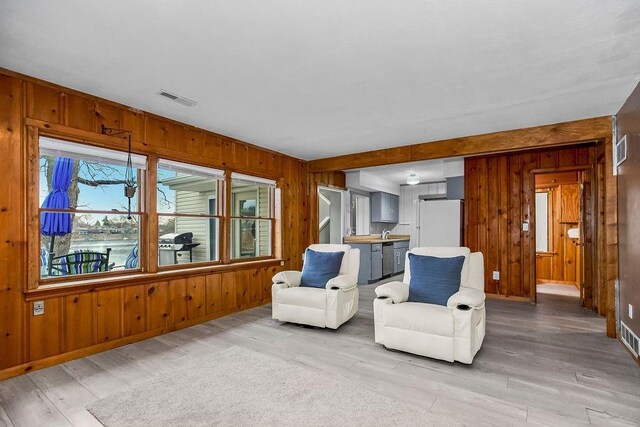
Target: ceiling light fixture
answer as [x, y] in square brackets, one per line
[413, 179]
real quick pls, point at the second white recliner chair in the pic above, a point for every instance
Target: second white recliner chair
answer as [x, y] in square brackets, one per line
[451, 332]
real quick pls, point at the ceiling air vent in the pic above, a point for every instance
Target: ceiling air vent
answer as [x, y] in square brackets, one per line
[177, 98]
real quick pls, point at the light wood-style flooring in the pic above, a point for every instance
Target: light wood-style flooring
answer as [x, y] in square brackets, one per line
[546, 364]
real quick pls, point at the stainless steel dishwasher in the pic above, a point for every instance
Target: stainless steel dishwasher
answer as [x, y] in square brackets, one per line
[387, 259]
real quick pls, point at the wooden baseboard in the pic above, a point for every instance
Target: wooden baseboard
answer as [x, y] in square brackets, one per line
[508, 298]
[35, 365]
[556, 282]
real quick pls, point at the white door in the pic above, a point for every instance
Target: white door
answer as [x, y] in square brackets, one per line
[439, 223]
[330, 215]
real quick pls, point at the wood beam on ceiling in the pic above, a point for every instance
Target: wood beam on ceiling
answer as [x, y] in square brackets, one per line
[575, 132]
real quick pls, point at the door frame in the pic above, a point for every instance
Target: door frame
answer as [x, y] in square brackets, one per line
[588, 227]
[343, 199]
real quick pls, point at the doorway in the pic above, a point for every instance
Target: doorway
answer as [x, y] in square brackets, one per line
[563, 234]
[330, 215]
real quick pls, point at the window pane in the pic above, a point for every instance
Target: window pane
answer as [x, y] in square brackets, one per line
[250, 238]
[91, 186]
[542, 220]
[250, 200]
[187, 239]
[180, 192]
[96, 243]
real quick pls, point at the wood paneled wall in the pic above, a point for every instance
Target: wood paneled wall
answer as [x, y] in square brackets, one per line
[628, 124]
[93, 319]
[499, 198]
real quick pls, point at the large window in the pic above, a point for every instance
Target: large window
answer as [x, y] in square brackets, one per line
[85, 226]
[252, 216]
[188, 213]
[542, 221]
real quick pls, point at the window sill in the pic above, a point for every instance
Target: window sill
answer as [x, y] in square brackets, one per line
[92, 285]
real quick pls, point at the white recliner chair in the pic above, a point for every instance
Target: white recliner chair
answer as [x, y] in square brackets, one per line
[325, 308]
[452, 332]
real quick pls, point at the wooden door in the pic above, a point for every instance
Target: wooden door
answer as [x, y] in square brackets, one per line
[585, 253]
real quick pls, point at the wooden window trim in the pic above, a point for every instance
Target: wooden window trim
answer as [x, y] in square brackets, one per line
[273, 218]
[149, 270]
[219, 215]
[36, 129]
[94, 284]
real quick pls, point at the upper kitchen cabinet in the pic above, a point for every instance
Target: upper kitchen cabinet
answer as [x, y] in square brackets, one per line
[384, 207]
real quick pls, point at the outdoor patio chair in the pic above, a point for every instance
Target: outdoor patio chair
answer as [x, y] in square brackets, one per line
[79, 262]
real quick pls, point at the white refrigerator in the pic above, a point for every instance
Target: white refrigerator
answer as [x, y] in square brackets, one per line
[440, 222]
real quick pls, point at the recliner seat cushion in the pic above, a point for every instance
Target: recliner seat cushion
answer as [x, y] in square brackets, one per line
[320, 267]
[303, 297]
[419, 317]
[434, 280]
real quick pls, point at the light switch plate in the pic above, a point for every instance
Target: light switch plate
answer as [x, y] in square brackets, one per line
[38, 308]
[525, 226]
[630, 311]
[496, 275]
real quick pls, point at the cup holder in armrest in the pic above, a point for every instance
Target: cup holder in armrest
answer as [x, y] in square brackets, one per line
[334, 288]
[463, 307]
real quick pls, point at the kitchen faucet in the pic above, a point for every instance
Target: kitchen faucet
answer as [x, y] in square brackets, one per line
[385, 234]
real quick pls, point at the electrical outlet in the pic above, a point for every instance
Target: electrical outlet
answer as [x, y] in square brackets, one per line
[525, 226]
[496, 275]
[630, 311]
[38, 308]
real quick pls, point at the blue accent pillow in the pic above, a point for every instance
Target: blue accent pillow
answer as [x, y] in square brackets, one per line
[434, 280]
[320, 267]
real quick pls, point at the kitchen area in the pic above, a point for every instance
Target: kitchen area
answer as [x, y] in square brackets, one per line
[379, 257]
[390, 209]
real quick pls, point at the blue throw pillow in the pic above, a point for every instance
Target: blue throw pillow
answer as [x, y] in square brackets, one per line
[434, 280]
[320, 267]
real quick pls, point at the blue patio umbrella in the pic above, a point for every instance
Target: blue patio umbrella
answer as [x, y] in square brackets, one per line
[57, 223]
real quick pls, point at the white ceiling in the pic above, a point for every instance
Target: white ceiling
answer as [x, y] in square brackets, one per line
[426, 170]
[328, 77]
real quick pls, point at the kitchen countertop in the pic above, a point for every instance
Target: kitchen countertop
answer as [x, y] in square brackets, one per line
[376, 238]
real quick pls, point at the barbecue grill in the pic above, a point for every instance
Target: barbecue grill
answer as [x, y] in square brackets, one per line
[171, 246]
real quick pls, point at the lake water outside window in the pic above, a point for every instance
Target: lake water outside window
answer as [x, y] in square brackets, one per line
[84, 223]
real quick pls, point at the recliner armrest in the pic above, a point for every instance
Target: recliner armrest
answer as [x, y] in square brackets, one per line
[472, 298]
[344, 282]
[397, 291]
[290, 278]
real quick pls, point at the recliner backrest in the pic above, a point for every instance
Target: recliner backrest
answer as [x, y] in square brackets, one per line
[472, 274]
[351, 260]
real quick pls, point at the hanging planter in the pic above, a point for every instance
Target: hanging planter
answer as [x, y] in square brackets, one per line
[130, 183]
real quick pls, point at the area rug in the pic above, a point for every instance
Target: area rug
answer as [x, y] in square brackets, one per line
[243, 388]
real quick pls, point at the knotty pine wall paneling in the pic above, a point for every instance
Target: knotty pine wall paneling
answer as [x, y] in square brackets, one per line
[101, 317]
[499, 198]
[13, 328]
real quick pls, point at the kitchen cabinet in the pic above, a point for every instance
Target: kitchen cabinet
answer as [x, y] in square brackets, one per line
[372, 259]
[370, 262]
[400, 250]
[384, 207]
